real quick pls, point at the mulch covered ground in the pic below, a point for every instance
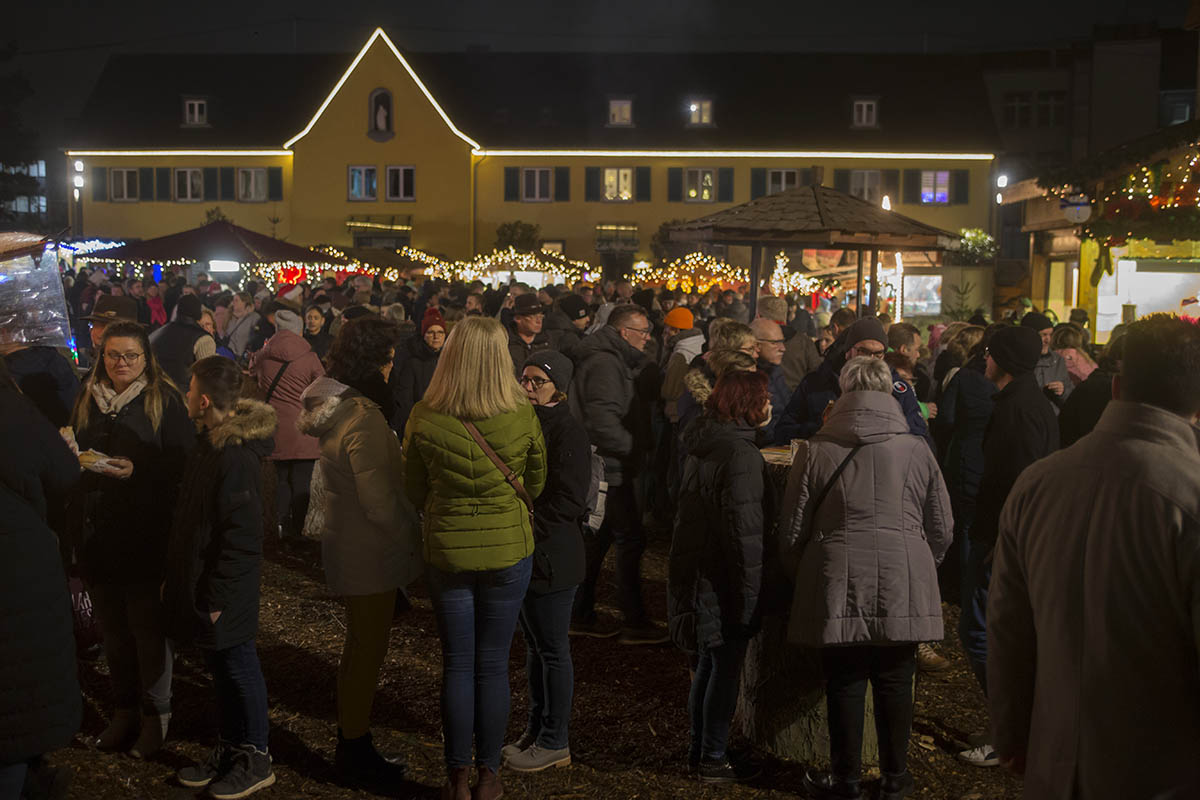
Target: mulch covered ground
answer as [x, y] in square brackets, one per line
[628, 737]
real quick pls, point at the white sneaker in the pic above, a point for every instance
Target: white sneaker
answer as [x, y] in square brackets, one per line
[982, 756]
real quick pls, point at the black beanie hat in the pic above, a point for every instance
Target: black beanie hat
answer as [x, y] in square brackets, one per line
[556, 366]
[574, 306]
[1015, 350]
[866, 328]
[189, 306]
[1036, 322]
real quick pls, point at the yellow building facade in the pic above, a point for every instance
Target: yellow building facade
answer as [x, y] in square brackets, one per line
[380, 162]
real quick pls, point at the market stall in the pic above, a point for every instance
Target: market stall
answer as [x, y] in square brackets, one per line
[33, 308]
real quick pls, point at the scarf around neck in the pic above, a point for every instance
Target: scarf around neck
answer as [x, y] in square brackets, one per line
[107, 399]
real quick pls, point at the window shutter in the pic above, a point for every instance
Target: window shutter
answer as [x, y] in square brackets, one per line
[758, 182]
[210, 183]
[959, 180]
[674, 184]
[99, 184]
[804, 176]
[410, 177]
[512, 184]
[275, 183]
[725, 185]
[145, 183]
[889, 183]
[841, 180]
[591, 184]
[228, 191]
[641, 184]
[562, 184]
[162, 183]
[912, 186]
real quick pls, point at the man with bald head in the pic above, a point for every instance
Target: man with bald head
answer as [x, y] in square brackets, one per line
[769, 336]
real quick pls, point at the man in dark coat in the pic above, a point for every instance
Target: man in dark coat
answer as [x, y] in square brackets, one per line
[611, 395]
[182, 342]
[47, 379]
[525, 334]
[770, 356]
[1023, 428]
[566, 322]
[422, 352]
[1083, 409]
[1051, 371]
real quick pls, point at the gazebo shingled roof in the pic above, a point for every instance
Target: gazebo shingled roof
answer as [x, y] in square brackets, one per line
[217, 241]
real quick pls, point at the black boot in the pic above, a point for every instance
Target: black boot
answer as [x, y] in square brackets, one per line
[359, 761]
[823, 786]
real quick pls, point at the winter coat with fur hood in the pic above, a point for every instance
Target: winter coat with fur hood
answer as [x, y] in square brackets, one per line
[370, 542]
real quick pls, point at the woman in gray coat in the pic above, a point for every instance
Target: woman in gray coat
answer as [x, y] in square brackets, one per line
[866, 520]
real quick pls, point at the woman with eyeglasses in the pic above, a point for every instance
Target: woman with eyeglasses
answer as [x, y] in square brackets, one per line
[129, 411]
[559, 565]
[417, 371]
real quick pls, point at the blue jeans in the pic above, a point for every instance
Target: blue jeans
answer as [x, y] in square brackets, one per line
[972, 623]
[241, 695]
[12, 780]
[713, 698]
[623, 525]
[476, 617]
[545, 620]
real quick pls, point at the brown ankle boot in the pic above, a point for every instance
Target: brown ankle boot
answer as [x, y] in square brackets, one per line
[458, 784]
[489, 786]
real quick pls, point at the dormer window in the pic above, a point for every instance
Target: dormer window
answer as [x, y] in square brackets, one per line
[700, 112]
[379, 119]
[620, 113]
[866, 113]
[195, 111]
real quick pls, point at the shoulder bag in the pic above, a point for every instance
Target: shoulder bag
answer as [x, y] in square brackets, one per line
[508, 474]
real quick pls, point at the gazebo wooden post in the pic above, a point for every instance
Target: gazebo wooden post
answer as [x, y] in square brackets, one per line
[755, 272]
[858, 286]
[873, 304]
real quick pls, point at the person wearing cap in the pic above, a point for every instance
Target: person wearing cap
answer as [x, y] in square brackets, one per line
[525, 334]
[566, 321]
[417, 367]
[1051, 371]
[108, 309]
[682, 343]
[805, 412]
[1022, 429]
[558, 566]
[182, 342]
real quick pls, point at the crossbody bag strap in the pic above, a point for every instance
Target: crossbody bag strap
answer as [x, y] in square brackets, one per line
[275, 382]
[508, 474]
[833, 479]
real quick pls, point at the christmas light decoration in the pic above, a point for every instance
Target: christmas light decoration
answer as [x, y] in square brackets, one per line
[700, 272]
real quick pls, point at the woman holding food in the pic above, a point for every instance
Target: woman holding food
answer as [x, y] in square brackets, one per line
[131, 424]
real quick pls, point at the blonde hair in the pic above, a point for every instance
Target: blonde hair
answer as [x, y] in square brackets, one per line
[732, 336]
[158, 384]
[962, 343]
[474, 376]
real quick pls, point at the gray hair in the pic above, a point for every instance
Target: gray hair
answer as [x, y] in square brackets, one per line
[866, 374]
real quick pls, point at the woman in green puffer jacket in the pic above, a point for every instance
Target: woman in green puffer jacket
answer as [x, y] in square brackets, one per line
[478, 538]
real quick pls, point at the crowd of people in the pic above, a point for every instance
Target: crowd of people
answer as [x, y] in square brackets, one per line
[496, 443]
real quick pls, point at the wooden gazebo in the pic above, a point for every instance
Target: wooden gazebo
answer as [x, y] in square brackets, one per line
[815, 217]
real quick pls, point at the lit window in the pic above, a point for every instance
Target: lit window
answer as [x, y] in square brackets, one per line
[935, 187]
[252, 185]
[620, 112]
[864, 183]
[1017, 109]
[780, 180]
[866, 113]
[195, 112]
[124, 184]
[189, 184]
[40, 200]
[361, 184]
[700, 112]
[535, 184]
[380, 112]
[618, 183]
[21, 204]
[401, 183]
[700, 183]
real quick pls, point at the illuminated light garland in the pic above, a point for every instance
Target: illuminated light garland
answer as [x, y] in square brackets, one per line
[700, 272]
[486, 153]
[90, 246]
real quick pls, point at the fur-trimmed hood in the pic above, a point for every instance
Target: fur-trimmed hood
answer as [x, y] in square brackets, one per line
[698, 384]
[251, 421]
[323, 402]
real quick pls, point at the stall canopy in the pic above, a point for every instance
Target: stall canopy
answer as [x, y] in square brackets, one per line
[815, 217]
[15, 244]
[217, 241]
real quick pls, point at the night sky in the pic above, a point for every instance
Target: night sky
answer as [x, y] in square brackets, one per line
[64, 42]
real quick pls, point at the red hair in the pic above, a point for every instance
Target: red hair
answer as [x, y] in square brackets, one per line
[739, 396]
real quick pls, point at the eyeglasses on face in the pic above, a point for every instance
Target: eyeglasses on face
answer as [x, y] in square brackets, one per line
[861, 351]
[776, 342]
[435, 334]
[536, 383]
[642, 331]
[119, 358]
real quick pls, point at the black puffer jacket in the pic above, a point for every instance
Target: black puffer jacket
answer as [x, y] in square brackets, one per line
[611, 393]
[413, 380]
[961, 421]
[521, 350]
[558, 557]
[47, 379]
[716, 568]
[130, 519]
[215, 556]
[562, 332]
[1083, 409]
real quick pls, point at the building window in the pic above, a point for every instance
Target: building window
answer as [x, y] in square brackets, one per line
[864, 183]
[195, 112]
[401, 184]
[780, 180]
[866, 114]
[618, 183]
[124, 184]
[252, 185]
[1017, 109]
[535, 184]
[37, 169]
[700, 185]
[1051, 109]
[189, 184]
[935, 187]
[620, 113]
[361, 184]
[700, 112]
[27, 205]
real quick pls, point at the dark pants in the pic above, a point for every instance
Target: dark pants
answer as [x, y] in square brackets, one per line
[714, 697]
[890, 670]
[972, 623]
[12, 780]
[545, 621]
[241, 695]
[622, 524]
[292, 481]
[476, 617]
[140, 657]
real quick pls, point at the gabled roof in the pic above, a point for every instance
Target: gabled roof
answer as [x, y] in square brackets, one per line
[221, 241]
[778, 101]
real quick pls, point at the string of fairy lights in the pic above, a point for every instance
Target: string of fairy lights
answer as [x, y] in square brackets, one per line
[701, 271]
